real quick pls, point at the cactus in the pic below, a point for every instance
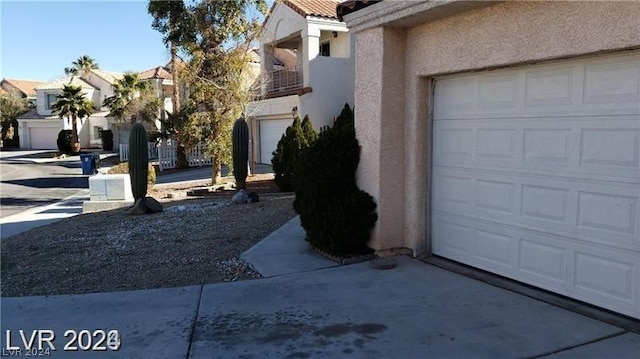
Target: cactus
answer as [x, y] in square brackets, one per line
[240, 139]
[138, 161]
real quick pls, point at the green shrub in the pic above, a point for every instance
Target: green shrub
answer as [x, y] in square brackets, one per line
[64, 141]
[336, 215]
[123, 168]
[298, 137]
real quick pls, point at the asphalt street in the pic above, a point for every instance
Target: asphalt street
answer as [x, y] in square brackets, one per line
[33, 179]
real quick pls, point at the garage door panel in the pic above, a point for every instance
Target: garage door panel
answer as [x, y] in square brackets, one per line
[553, 263]
[612, 81]
[43, 138]
[536, 176]
[271, 132]
[608, 85]
[593, 212]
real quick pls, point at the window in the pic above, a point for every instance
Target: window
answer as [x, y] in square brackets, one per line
[51, 98]
[97, 132]
[325, 49]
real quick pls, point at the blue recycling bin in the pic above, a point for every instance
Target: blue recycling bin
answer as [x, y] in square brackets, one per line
[88, 163]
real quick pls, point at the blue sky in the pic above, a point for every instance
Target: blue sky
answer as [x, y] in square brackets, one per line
[38, 39]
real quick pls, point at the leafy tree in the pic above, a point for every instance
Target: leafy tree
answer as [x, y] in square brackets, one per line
[216, 37]
[133, 99]
[81, 66]
[171, 19]
[73, 104]
[11, 106]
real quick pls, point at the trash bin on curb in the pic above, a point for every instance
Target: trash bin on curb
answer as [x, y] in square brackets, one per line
[89, 163]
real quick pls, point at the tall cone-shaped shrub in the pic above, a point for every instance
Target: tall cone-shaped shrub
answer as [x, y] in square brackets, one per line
[240, 140]
[138, 161]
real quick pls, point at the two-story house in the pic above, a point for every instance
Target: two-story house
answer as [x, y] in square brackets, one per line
[39, 128]
[307, 68]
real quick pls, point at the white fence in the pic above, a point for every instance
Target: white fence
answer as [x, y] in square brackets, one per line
[167, 155]
[124, 151]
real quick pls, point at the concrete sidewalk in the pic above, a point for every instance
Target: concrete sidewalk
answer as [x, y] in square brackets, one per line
[310, 308]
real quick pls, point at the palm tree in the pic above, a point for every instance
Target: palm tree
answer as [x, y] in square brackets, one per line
[132, 98]
[73, 104]
[81, 66]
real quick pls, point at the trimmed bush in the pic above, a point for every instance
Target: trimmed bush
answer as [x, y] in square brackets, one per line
[336, 215]
[123, 168]
[64, 141]
[298, 137]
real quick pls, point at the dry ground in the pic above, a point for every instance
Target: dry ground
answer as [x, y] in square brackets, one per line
[194, 241]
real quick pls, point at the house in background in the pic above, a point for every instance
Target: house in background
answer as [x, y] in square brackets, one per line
[506, 136]
[307, 68]
[22, 88]
[39, 128]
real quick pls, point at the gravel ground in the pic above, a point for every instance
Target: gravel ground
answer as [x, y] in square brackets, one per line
[194, 241]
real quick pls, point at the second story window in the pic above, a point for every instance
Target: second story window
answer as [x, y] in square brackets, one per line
[325, 49]
[51, 98]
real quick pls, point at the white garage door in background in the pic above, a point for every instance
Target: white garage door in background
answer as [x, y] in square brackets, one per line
[536, 176]
[270, 133]
[43, 138]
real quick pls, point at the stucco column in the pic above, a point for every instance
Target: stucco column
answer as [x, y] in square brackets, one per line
[379, 113]
[310, 50]
[266, 62]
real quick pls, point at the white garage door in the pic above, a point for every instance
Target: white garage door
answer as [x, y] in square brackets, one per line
[536, 176]
[270, 133]
[43, 138]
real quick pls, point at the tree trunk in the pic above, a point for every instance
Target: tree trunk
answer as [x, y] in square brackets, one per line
[75, 143]
[216, 176]
[174, 72]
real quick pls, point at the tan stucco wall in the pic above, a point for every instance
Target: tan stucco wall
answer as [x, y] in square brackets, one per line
[380, 76]
[395, 169]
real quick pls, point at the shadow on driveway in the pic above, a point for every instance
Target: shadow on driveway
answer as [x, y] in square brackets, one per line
[52, 182]
[16, 201]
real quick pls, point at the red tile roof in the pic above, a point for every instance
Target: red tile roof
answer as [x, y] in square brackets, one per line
[155, 73]
[25, 86]
[319, 8]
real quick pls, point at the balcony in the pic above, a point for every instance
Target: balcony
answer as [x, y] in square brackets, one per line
[283, 81]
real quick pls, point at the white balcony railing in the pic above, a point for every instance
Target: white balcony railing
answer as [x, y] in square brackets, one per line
[284, 79]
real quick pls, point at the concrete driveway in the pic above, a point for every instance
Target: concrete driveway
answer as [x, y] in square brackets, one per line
[415, 310]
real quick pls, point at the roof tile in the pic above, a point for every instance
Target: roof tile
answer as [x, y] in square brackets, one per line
[26, 86]
[155, 73]
[319, 8]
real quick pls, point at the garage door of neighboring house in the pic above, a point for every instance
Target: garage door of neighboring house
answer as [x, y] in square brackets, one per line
[536, 176]
[43, 138]
[270, 133]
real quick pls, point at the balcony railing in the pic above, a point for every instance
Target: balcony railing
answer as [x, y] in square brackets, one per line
[284, 79]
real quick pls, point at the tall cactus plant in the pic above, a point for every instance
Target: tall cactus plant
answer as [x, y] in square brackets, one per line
[240, 140]
[138, 161]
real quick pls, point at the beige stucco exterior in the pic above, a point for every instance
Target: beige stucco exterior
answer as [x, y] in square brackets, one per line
[401, 46]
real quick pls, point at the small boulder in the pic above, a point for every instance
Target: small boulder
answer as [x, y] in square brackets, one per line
[240, 197]
[253, 197]
[138, 208]
[153, 206]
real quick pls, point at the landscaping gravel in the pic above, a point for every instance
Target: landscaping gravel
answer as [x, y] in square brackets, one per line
[194, 241]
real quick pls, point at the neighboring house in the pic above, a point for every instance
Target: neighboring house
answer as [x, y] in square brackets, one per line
[308, 68]
[23, 88]
[39, 128]
[506, 136]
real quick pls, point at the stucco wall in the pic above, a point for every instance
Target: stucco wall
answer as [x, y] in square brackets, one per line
[499, 35]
